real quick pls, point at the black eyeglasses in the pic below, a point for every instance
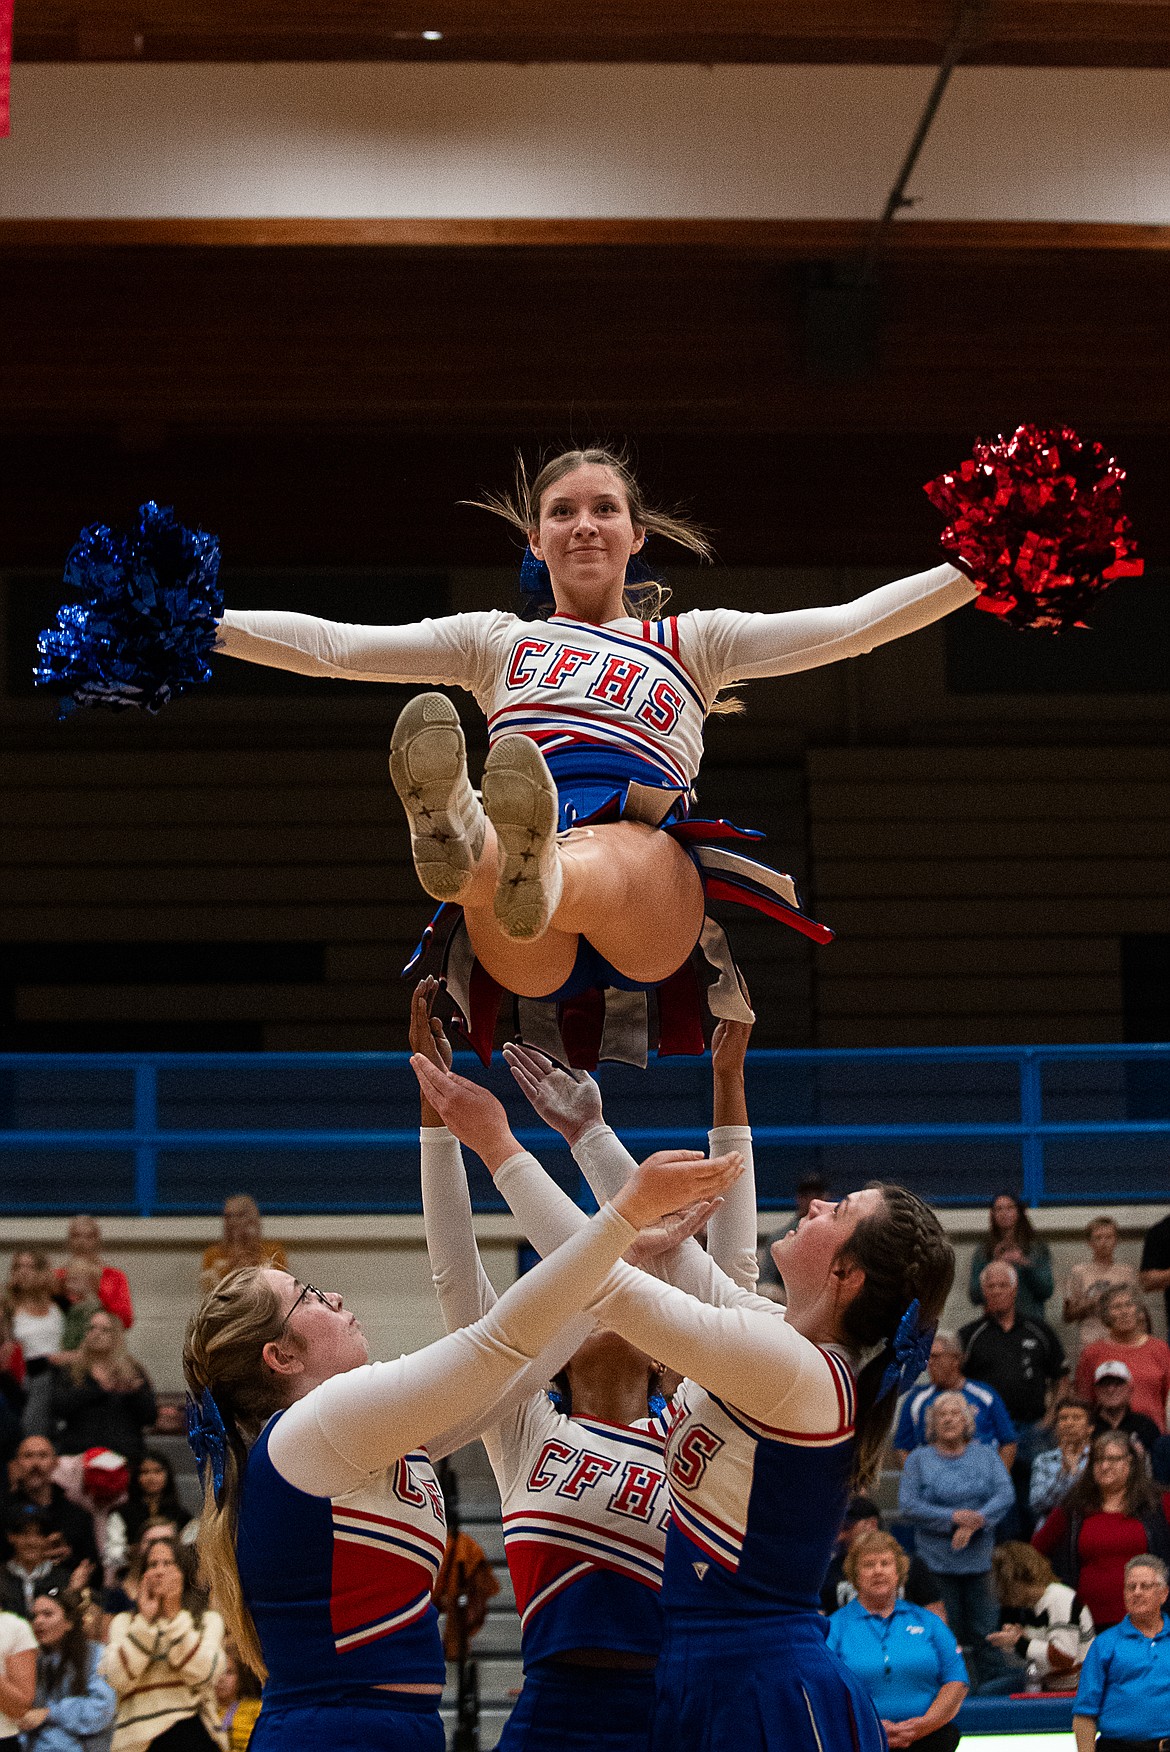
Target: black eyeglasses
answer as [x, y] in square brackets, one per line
[306, 1290]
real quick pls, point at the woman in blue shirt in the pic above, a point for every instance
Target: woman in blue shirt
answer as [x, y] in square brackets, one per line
[955, 1491]
[905, 1657]
[74, 1706]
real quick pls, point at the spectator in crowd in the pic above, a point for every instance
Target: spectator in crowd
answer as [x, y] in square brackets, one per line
[862, 1516]
[237, 1695]
[85, 1260]
[954, 1492]
[12, 1370]
[38, 1326]
[18, 1676]
[29, 1571]
[1125, 1681]
[104, 1398]
[1043, 1623]
[1056, 1470]
[242, 1242]
[1012, 1240]
[1020, 1357]
[74, 1706]
[1154, 1270]
[163, 1658]
[1091, 1278]
[1112, 1405]
[945, 1368]
[1146, 1358]
[71, 1529]
[906, 1658]
[153, 1496]
[768, 1282]
[1112, 1513]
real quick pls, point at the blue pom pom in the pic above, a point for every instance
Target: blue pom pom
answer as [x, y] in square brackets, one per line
[144, 626]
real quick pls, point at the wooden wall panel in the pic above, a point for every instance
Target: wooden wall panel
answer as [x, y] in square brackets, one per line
[944, 934]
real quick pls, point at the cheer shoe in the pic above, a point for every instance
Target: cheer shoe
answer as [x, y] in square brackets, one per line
[428, 764]
[521, 801]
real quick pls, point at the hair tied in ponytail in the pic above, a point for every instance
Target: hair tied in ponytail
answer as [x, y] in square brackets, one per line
[911, 1348]
[207, 1438]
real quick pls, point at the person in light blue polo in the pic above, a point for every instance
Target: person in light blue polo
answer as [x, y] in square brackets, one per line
[1124, 1690]
[993, 1424]
[904, 1655]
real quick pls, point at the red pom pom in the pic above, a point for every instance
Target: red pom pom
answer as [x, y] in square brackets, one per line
[1036, 521]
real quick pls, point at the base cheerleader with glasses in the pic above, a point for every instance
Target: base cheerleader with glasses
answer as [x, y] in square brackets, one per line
[323, 1524]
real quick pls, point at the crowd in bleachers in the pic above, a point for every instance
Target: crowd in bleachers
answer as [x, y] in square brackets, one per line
[107, 1641]
[1032, 1489]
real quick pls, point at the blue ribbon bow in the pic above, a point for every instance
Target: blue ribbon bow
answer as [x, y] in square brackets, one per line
[207, 1438]
[536, 585]
[911, 1344]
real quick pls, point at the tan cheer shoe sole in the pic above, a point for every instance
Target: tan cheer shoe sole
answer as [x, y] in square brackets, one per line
[520, 798]
[428, 765]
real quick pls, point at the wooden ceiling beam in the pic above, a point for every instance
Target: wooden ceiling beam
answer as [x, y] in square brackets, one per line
[1071, 33]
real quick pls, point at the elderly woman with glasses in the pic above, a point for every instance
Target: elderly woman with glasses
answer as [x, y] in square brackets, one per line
[955, 1491]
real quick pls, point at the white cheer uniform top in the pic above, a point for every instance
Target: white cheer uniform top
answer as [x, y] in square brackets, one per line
[637, 688]
[585, 1502]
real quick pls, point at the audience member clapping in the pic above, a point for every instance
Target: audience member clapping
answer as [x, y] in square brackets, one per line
[74, 1706]
[1146, 1358]
[906, 1658]
[1056, 1470]
[1125, 1682]
[1012, 1240]
[38, 1326]
[954, 1492]
[91, 1272]
[103, 1399]
[1113, 1405]
[242, 1242]
[1044, 1623]
[861, 1517]
[1111, 1514]
[1091, 1279]
[993, 1425]
[72, 1536]
[29, 1570]
[162, 1658]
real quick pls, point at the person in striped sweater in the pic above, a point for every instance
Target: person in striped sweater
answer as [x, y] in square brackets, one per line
[162, 1660]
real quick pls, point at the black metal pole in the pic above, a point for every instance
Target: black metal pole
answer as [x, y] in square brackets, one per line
[961, 31]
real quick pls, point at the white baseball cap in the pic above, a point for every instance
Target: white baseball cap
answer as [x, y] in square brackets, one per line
[1112, 1371]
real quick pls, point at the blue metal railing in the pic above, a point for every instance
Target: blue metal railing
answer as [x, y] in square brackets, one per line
[173, 1132]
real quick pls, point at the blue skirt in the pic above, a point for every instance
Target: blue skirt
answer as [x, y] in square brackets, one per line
[581, 1709]
[759, 1684]
[404, 1724]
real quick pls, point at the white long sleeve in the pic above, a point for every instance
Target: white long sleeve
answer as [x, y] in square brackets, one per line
[732, 1236]
[357, 1424]
[450, 651]
[723, 645]
[606, 1164]
[466, 1293]
[747, 1355]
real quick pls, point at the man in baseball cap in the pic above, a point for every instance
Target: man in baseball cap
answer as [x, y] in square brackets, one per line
[1112, 1392]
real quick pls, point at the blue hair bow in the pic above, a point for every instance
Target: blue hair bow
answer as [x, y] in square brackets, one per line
[207, 1438]
[536, 585]
[911, 1344]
